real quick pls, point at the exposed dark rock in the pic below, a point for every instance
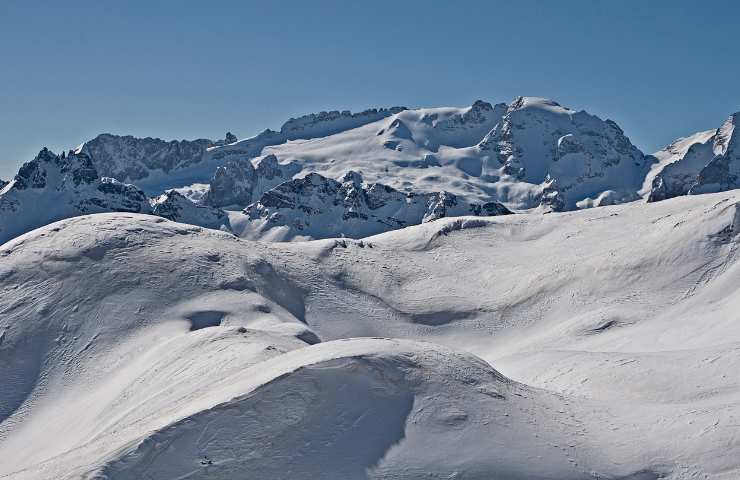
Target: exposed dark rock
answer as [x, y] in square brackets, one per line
[320, 207]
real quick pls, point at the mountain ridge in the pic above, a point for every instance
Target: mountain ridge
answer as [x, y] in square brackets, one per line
[532, 154]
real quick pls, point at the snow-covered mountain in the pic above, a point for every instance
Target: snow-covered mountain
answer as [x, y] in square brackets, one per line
[318, 207]
[701, 163]
[52, 187]
[531, 153]
[594, 344]
[157, 165]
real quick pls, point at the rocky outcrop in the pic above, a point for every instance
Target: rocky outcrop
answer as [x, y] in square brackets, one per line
[176, 207]
[239, 182]
[702, 163]
[128, 158]
[52, 187]
[3, 183]
[232, 184]
[319, 207]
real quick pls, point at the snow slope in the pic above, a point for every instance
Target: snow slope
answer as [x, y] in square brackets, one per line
[138, 347]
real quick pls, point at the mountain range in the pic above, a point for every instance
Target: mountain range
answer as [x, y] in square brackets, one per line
[530, 155]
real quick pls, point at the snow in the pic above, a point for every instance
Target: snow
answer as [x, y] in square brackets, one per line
[483, 153]
[701, 163]
[532, 153]
[401, 333]
[175, 206]
[52, 187]
[599, 343]
[317, 207]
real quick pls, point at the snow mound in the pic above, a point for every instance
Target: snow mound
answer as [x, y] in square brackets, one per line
[107, 351]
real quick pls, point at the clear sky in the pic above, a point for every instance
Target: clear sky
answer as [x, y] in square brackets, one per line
[178, 69]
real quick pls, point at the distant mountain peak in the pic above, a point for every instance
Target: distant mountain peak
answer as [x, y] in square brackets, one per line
[701, 163]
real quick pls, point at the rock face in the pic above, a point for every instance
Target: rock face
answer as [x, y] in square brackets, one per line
[702, 163]
[176, 207]
[575, 157]
[52, 187]
[319, 207]
[129, 158]
[3, 183]
[239, 183]
[232, 184]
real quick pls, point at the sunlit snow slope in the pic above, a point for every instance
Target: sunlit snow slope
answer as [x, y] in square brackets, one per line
[601, 343]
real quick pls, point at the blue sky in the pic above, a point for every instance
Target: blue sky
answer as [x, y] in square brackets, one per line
[70, 70]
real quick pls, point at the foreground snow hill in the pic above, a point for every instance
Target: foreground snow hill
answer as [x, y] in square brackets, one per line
[136, 347]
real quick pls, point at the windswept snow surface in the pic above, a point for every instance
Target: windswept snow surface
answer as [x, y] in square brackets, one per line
[595, 344]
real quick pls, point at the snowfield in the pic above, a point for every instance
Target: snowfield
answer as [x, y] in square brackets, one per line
[593, 344]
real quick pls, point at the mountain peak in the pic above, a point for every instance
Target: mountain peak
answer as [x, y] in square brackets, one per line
[705, 162]
[481, 105]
